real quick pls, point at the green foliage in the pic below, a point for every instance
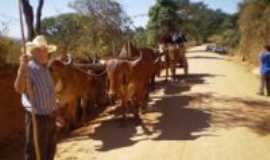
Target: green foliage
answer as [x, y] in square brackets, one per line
[69, 31]
[231, 38]
[9, 50]
[194, 18]
[140, 37]
[97, 27]
[228, 32]
[163, 20]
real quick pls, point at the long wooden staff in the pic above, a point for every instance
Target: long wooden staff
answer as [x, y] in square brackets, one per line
[34, 121]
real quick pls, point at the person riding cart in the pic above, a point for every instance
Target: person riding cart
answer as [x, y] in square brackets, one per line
[172, 44]
[179, 39]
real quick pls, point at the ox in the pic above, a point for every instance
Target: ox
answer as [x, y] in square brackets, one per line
[128, 80]
[73, 84]
[129, 52]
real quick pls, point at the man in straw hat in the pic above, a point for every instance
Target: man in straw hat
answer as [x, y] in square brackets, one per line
[35, 84]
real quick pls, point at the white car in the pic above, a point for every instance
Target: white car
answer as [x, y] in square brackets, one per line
[216, 48]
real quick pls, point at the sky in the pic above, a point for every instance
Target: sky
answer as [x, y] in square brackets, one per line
[9, 10]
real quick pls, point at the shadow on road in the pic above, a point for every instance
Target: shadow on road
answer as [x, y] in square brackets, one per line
[170, 118]
[207, 57]
[178, 122]
[174, 117]
[242, 112]
[184, 83]
[196, 51]
[194, 79]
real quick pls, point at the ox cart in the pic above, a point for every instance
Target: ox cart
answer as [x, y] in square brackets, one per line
[175, 57]
[182, 60]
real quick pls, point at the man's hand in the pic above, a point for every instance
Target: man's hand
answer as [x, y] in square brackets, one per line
[24, 59]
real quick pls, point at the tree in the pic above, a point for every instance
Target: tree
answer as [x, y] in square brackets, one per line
[3, 28]
[97, 27]
[106, 13]
[69, 31]
[140, 37]
[110, 23]
[9, 51]
[29, 18]
[254, 27]
[163, 20]
[193, 18]
[201, 22]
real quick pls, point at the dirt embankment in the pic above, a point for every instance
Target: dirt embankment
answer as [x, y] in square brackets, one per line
[11, 112]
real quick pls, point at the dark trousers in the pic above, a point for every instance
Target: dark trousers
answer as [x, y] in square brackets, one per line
[267, 81]
[46, 137]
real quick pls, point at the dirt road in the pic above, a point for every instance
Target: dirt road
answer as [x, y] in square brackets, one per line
[213, 114]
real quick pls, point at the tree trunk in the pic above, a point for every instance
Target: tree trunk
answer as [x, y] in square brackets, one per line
[38, 16]
[29, 18]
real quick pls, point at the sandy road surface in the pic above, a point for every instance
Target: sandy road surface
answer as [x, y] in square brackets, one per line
[213, 114]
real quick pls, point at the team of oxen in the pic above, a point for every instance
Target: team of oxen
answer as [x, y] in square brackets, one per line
[83, 84]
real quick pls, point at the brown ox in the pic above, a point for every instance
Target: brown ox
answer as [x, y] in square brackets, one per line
[73, 84]
[142, 72]
[129, 52]
[128, 80]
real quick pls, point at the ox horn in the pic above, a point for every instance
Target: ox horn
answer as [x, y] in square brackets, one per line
[102, 74]
[70, 59]
[160, 55]
[157, 60]
[90, 59]
[141, 56]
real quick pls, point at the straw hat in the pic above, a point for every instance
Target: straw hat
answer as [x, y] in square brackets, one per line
[39, 41]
